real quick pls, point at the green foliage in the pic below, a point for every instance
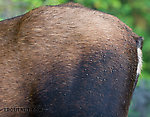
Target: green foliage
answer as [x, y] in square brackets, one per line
[36, 3]
[1, 19]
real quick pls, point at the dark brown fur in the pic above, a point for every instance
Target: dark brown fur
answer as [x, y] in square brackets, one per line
[70, 60]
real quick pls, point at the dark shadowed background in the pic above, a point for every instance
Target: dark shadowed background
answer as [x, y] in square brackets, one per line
[135, 13]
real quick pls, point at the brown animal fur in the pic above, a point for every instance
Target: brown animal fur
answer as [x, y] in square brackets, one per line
[52, 41]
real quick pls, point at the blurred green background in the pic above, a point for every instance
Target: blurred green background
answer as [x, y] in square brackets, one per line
[135, 13]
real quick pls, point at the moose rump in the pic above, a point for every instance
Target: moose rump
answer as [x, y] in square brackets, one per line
[67, 61]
